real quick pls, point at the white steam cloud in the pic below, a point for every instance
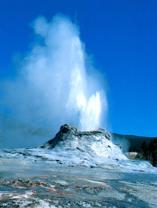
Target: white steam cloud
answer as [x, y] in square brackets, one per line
[55, 84]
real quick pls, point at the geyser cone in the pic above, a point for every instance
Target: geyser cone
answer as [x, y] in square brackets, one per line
[93, 147]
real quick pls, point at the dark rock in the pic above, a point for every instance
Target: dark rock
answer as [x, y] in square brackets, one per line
[65, 129]
[145, 147]
[149, 151]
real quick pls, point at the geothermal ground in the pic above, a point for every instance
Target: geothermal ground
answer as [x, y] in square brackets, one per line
[43, 185]
[76, 169]
[25, 183]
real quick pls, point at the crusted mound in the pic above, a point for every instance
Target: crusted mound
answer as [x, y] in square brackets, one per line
[91, 146]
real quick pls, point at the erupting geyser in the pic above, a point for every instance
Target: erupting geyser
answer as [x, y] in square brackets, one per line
[56, 84]
[62, 60]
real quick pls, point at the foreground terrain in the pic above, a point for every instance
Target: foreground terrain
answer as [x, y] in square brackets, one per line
[43, 184]
[76, 169]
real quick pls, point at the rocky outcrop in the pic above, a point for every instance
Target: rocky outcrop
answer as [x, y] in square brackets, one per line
[68, 132]
[92, 147]
[149, 151]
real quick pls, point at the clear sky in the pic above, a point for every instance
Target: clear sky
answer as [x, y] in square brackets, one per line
[120, 35]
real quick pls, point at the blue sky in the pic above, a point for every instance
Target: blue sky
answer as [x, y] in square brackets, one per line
[120, 35]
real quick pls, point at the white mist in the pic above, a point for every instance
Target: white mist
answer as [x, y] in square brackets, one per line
[53, 86]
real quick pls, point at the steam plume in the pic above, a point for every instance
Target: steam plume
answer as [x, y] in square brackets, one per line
[54, 84]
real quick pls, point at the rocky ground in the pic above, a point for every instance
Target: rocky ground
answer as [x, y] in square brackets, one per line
[76, 169]
[44, 185]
